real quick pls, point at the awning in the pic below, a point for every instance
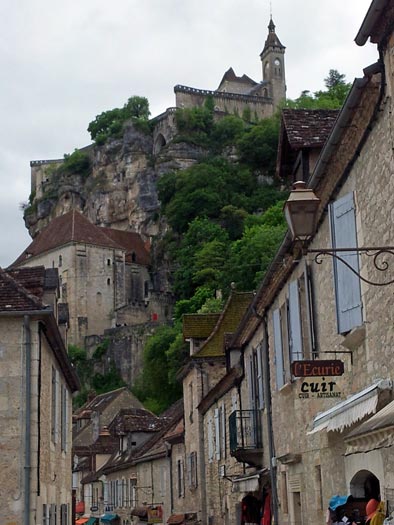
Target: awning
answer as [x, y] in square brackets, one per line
[249, 483]
[176, 519]
[376, 432]
[106, 518]
[141, 512]
[92, 521]
[81, 521]
[352, 409]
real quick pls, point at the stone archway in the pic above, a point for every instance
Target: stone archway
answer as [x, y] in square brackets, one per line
[365, 484]
[160, 142]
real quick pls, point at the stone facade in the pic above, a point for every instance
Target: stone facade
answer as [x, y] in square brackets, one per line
[36, 385]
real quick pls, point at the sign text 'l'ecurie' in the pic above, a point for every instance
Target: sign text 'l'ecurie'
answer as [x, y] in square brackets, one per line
[317, 368]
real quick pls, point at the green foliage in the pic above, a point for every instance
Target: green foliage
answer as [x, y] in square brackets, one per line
[258, 145]
[101, 349]
[110, 123]
[111, 380]
[332, 98]
[76, 163]
[157, 386]
[194, 125]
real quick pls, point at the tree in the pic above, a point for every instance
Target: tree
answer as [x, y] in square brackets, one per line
[334, 78]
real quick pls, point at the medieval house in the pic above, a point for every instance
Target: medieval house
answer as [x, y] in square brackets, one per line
[37, 382]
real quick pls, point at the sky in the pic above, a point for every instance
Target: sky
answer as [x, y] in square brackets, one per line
[63, 62]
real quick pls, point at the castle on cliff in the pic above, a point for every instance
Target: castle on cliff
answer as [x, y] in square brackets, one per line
[238, 95]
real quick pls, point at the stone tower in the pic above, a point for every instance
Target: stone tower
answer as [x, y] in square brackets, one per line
[273, 63]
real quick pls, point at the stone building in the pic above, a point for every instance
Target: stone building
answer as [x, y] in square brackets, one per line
[332, 434]
[204, 373]
[104, 274]
[36, 385]
[243, 95]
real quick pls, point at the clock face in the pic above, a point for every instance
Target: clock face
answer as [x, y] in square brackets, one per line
[277, 62]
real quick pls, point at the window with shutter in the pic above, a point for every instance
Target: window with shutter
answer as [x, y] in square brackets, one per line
[295, 334]
[64, 417]
[217, 433]
[280, 372]
[260, 386]
[347, 284]
[54, 401]
[223, 430]
[210, 440]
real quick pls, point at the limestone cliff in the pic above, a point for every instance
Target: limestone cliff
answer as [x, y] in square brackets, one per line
[120, 192]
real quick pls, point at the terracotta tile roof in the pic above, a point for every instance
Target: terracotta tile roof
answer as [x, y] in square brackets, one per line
[199, 326]
[132, 242]
[308, 128]
[15, 294]
[229, 319]
[70, 227]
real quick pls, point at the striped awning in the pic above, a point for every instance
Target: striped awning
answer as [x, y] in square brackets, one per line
[352, 409]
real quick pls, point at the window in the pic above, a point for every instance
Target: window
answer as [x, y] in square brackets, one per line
[60, 261]
[64, 417]
[223, 430]
[132, 493]
[180, 477]
[192, 469]
[64, 514]
[217, 433]
[108, 281]
[347, 284]
[54, 409]
[52, 515]
[45, 514]
[191, 403]
[163, 481]
[108, 262]
[210, 440]
[295, 332]
[278, 347]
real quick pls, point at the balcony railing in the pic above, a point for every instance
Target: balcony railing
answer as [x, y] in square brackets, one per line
[245, 430]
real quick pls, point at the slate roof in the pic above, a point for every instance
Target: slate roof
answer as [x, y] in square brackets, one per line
[75, 227]
[272, 39]
[228, 321]
[199, 326]
[230, 76]
[15, 297]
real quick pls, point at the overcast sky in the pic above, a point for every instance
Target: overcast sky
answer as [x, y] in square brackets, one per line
[65, 61]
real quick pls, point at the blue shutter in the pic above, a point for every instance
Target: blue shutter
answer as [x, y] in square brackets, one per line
[347, 284]
[295, 336]
[278, 349]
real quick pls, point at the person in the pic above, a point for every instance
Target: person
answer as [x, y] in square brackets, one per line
[374, 512]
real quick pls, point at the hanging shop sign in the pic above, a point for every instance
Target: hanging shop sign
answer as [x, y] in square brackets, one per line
[318, 387]
[155, 514]
[317, 368]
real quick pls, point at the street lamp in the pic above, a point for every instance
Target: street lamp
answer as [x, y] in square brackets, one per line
[302, 212]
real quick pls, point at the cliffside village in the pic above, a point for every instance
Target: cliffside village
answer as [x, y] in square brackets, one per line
[287, 413]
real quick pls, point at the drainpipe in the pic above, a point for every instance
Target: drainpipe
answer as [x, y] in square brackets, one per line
[27, 468]
[202, 482]
[268, 401]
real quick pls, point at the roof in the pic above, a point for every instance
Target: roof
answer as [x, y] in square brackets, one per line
[272, 39]
[199, 326]
[370, 26]
[101, 402]
[228, 321]
[135, 420]
[383, 419]
[16, 291]
[230, 76]
[132, 242]
[70, 227]
[302, 129]
[308, 128]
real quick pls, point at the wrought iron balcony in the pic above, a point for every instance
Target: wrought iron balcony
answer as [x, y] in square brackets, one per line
[246, 436]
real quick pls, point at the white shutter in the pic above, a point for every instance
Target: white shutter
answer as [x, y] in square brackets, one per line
[278, 349]
[347, 284]
[295, 335]
[223, 429]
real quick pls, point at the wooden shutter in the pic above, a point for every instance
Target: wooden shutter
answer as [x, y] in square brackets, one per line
[217, 432]
[260, 382]
[295, 335]
[210, 441]
[278, 349]
[347, 284]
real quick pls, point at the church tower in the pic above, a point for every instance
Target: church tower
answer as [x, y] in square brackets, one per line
[273, 63]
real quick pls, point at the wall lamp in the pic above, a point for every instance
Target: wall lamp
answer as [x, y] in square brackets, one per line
[301, 213]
